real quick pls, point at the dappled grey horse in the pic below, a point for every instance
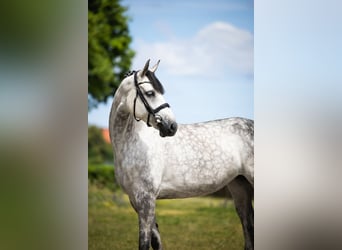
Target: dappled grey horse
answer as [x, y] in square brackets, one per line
[159, 159]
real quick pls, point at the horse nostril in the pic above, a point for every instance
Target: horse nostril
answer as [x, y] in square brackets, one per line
[173, 127]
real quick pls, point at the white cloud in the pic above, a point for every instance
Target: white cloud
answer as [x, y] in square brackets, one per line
[216, 47]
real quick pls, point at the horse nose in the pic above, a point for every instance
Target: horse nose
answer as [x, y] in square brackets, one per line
[173, 128]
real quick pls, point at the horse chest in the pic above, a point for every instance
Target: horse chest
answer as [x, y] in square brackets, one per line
[138, 167]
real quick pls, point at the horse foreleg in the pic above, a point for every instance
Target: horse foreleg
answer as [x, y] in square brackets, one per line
[156, 240]
[242, 193]
[145, 207]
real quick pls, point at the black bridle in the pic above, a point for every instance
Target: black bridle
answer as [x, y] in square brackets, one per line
[149, 109]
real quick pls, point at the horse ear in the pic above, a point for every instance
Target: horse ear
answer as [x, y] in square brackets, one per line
[154, 68]
[144, 71]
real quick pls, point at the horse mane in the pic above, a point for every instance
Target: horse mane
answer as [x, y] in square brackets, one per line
[155, 82]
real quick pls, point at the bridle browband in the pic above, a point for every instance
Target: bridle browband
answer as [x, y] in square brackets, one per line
[149, 109]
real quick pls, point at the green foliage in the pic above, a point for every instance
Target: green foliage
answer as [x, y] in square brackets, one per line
[102, 176]
[109, 54]
[98, 150]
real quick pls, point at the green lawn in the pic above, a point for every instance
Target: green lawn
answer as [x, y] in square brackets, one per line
[197, 223]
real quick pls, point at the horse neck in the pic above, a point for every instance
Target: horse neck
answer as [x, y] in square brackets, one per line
[122, 125]
[118, 122]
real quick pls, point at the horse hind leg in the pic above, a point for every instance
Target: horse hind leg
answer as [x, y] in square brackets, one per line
[242, 192]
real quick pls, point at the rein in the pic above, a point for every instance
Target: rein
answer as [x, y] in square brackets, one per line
[149, 109]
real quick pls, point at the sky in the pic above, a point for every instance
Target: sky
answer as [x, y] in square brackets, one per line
[206, 56]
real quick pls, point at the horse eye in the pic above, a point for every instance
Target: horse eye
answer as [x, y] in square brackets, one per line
[150, 93]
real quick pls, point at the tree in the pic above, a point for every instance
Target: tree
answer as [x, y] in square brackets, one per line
[98, 150]
[109, 54]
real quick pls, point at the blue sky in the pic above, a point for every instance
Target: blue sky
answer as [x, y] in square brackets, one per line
[206, 53]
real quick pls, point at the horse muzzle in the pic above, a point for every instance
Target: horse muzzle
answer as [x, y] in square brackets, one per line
[167, 128]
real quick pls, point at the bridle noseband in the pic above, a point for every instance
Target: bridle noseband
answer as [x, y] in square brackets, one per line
[149, 109]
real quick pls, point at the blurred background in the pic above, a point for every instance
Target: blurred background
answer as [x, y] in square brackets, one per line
[43, 124]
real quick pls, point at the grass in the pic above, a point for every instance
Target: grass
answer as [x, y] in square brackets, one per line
[196, 223]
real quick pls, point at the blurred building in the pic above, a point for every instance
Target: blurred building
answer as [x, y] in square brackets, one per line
[105, 134]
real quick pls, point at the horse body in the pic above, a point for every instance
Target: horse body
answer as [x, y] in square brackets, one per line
[204, 157]
[199, 159]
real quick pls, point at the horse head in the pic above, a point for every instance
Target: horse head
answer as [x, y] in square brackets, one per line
[145, 100]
